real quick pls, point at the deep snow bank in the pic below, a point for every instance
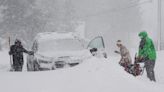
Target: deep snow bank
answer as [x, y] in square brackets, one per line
[159, 67]
[4, 60]
[94, 75]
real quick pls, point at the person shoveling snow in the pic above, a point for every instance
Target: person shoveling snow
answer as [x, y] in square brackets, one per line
[147, 54]
[125, 55]
[126, 61]
[17, 51]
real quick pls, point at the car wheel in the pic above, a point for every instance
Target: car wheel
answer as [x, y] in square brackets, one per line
[36, 66]
[30, 67]
[105, 55]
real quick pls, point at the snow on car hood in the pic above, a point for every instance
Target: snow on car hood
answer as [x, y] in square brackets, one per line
[81, 54]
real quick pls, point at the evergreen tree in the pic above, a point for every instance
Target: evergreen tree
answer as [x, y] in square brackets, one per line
[21, 19]
[60, 15]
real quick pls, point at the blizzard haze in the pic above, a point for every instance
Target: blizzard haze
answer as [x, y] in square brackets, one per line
[118, 19]
[112, 19]
[93, 75]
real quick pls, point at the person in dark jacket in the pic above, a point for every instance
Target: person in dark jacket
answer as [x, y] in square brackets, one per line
[17, 51]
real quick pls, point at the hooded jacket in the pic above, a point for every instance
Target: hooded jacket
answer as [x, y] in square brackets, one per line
[125, 55]
[146, 48]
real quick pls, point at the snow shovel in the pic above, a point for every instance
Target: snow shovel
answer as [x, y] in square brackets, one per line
[11, 63]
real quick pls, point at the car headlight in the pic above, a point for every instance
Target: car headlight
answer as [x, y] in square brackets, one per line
[43, 59]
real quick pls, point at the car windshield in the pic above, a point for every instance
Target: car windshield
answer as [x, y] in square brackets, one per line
[98, 42]
[60, 45]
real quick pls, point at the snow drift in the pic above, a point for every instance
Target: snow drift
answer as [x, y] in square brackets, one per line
[93, 75]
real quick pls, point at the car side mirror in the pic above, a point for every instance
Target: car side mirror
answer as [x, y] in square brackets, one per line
[93, 51]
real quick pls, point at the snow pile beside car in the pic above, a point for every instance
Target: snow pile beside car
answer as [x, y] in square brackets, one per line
[93, 75]
[4, 60]
[159, 67]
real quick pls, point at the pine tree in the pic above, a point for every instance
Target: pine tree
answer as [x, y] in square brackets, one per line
[21, 19]
[61, 15]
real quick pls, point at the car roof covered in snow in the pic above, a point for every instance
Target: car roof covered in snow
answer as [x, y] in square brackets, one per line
[55, 35]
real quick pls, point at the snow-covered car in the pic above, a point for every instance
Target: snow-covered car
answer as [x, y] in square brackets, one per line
[55, 50]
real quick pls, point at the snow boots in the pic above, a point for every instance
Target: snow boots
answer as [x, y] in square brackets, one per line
[17, 68]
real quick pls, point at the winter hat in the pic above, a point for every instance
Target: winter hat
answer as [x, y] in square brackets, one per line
[119, 42]
[143, 34]
[17, 41]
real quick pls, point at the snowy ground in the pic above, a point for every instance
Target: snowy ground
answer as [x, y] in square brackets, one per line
[94, 75]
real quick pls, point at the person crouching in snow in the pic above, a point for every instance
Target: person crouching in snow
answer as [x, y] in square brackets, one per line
[147, 54]
[125, 55]
[16, 51]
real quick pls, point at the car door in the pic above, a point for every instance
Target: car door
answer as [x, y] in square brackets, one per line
[97, 47]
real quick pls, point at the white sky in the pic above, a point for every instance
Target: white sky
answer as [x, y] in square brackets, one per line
[126, 22]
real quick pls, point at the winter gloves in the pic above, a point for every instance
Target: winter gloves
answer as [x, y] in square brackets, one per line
[31, 53]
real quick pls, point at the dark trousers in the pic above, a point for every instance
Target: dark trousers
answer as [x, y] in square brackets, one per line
[17, 64]
[18, 68]
[150, 64]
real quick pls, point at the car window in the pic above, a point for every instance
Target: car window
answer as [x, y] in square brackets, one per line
[97, 42]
